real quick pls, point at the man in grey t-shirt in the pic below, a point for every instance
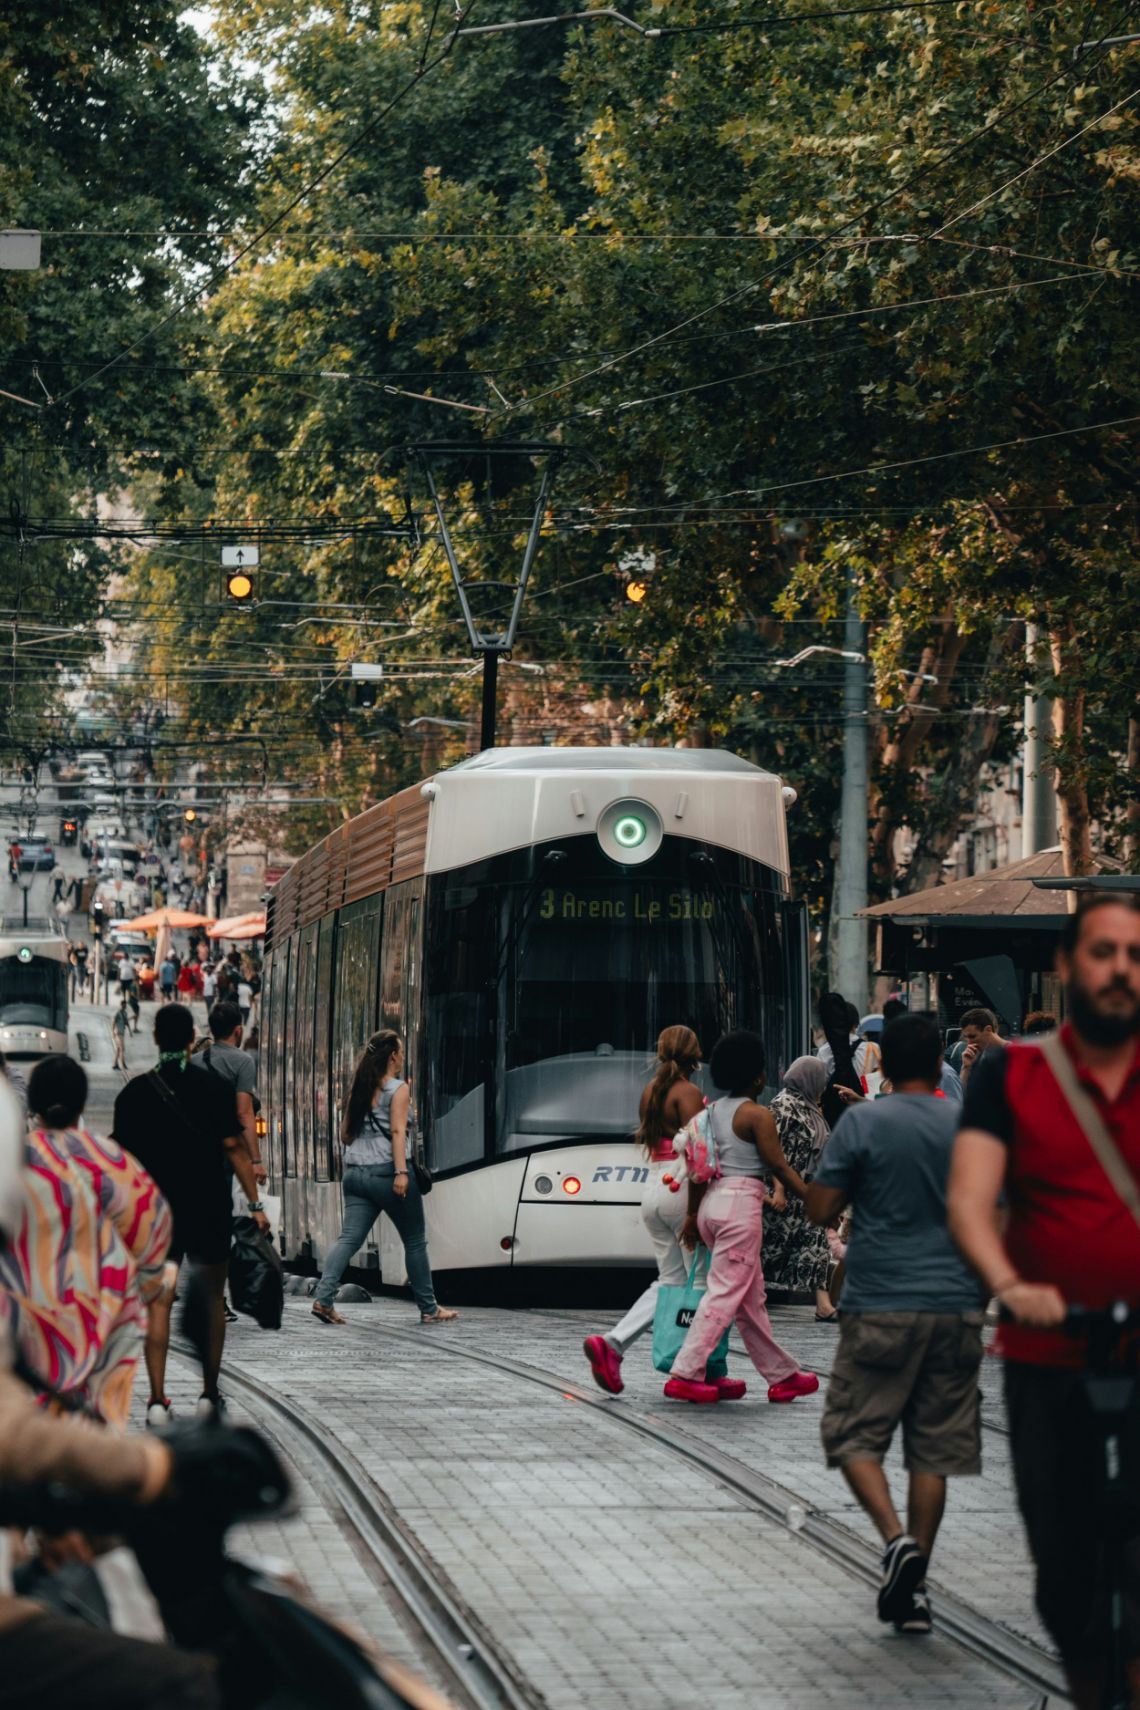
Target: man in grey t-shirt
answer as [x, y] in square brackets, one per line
[224, 1057]
[910, 1340]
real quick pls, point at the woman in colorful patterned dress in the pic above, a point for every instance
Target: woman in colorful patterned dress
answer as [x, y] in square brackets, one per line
[90, 1253]
[797, 1256]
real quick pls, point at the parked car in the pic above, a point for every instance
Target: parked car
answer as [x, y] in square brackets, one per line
[136, 944]
[36, 851]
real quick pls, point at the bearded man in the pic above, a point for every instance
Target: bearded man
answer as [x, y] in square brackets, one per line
[1051, 1127]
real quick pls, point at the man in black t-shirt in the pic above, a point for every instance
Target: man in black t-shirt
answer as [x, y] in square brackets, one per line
[182, 1124]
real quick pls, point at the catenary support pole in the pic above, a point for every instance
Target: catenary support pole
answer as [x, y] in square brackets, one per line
[490, 698]
[1038, 795]
[850, 971]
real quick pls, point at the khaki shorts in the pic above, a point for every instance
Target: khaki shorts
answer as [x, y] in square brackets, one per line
[917, 1368]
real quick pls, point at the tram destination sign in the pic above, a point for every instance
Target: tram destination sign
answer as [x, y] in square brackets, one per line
[609, 908]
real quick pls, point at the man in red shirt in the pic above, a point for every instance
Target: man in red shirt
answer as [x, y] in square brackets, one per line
[1069, 1239]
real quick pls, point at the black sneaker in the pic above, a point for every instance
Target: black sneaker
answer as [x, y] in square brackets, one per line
[918, 1621]
[904, 1570]
[231, 1315]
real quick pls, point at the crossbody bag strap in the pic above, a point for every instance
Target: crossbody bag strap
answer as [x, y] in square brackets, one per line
[168, 1097]
[1092, 1123]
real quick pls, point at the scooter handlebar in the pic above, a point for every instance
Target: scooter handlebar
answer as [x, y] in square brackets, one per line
[221, 1474]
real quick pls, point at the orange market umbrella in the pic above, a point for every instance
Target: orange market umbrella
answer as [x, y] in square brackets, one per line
[252, 927]
[167, 918]
[223, 928]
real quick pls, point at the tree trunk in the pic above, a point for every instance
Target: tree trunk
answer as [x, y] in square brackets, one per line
[955, 794]
[1069, 740]
[901, 750]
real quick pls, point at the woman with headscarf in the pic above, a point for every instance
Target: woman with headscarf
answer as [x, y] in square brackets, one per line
[795, 1255]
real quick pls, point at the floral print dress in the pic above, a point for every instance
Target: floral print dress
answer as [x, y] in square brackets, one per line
[795, 1254]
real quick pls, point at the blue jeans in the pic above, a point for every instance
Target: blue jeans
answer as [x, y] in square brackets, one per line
[368, 1190]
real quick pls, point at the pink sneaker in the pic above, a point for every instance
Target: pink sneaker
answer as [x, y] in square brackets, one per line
[800, 1383]
[731, 1388]
[605, 1363]
[689, 1389]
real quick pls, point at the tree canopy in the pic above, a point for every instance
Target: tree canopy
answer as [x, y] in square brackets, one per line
[840, 304]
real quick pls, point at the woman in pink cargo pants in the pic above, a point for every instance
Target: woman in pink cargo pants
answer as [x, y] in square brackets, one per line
[726, 1214]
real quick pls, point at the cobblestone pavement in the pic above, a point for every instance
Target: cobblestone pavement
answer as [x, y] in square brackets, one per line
[311, 1541]
[611, 1572]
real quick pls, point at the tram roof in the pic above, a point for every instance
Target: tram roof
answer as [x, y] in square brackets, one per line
[615, 759]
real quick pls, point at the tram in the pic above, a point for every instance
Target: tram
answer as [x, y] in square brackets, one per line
[34, 975]
[529, 920]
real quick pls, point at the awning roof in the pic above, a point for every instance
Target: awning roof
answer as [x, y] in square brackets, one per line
[1008, 892]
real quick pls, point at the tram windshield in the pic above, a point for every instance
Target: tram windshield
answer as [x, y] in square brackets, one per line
[33, 994]
[545, 995]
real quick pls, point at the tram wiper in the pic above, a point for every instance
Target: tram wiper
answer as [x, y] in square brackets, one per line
[738, 941]
[551, 858]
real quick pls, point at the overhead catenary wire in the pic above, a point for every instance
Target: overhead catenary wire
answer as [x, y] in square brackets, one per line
[369, 130]
[821, 243]
[992, 195]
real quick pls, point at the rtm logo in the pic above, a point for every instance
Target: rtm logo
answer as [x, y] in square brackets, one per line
[619, 1172]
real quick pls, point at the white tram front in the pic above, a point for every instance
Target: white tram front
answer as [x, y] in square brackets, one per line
[530, 920]
[34, 976]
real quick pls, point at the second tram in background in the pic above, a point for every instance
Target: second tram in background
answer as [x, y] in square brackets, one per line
[529, 920]
[34, 977]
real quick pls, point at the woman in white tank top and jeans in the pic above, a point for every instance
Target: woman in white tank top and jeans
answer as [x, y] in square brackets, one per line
[377, 1178]
[726, 1214]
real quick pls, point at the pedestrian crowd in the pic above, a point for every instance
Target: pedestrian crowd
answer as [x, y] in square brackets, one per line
[896, 1192]
[903, 1190]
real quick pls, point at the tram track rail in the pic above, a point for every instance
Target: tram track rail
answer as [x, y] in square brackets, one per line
[478, 1671]
[957, 1621]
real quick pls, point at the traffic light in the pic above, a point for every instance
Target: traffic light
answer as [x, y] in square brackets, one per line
[190, 815]
[240, 588]
[367, 678]
[636, 592]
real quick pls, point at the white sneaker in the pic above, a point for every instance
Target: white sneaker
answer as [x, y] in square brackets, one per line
[158, 1414]
[207, 1409]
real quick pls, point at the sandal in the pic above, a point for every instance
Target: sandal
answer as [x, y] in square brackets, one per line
[831, 1317]
[327, 1314]
[441, 1315]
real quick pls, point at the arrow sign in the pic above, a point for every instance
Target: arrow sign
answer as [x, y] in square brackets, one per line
[239, 557]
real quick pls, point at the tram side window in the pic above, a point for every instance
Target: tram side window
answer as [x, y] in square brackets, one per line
[394, 958]
[459, 963]
[289, 1061]
[301, 1067]
[322, 1016]
[354, 1009]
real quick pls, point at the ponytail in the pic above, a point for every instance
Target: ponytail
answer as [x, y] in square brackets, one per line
[371, 1069]
[678, 1053]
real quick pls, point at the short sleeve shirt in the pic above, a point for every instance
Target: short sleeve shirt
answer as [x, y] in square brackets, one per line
[184, 1150]
[1066, 1224]
[891, 1156]
[231, 1065]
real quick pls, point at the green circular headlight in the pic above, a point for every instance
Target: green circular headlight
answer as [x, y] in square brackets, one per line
[629, 831]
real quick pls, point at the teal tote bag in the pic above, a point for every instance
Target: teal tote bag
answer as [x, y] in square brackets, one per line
[675, 1310]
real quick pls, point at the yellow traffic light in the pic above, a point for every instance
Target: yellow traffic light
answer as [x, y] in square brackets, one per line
[636, 591]
[239, 586]
[190, 816]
